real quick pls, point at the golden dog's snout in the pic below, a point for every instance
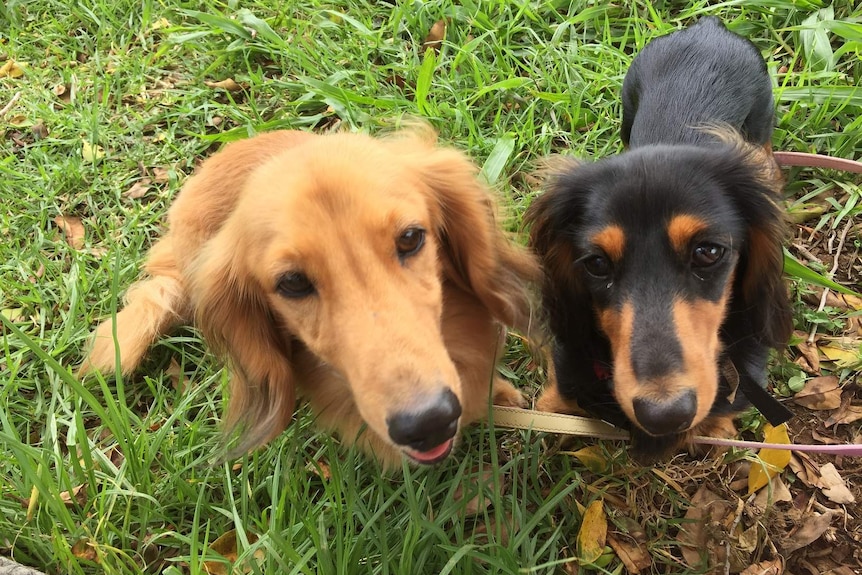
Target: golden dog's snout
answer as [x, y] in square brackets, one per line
[427, 432]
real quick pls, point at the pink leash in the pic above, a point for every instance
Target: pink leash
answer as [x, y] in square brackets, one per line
[806, 160]
[850, 450]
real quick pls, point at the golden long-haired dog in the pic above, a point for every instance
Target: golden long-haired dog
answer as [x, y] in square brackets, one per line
[365, 275]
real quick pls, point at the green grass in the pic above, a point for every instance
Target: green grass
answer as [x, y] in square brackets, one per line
[514, 82]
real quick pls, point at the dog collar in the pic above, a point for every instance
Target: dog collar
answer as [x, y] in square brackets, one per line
[772, 409]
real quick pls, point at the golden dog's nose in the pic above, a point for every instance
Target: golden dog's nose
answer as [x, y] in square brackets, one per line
[665, 417]
[429, 426]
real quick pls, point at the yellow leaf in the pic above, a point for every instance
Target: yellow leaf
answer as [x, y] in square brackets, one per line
[160, 23]
[842, 357]
[92, 153]
[13, 314]
[592, 458]
[85, 549]
[593, 534]
[228, 84]
[11, 69]
[770, 462]
[226, 546]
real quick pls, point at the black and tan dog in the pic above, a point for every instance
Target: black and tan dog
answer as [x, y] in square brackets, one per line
[664, 264]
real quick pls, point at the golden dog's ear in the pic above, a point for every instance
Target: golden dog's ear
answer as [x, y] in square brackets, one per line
[478, 256]
[232, 312]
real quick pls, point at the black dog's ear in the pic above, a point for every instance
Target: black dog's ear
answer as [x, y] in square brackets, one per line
[752, 176]
[763, 282]
[555, 221]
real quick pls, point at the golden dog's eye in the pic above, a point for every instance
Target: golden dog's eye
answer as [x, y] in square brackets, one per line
[294, 284]
[706, 255]
[598, 266]
[410, 242]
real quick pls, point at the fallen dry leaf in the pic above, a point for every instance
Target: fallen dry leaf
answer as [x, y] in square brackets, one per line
[226, 546]
[177, 376]
[480, 501]
[771, 461]
[39, 130]
[846, 414]
[814, 526]
[161, 175]
[434, 39]
[777, 492]
[747, 540]
[73, 229]
[805, 469]
[697, 534]
[321, 469]
[499, 531]
[773, 567]
[631, 550]
[833, 487]
[810, 355]
[76, 495]
[825, 439]
[228, 84]
[593, 533]
[820, 393]
[836, 300]
[83, 549]
[63, 93]
[116, 457]
[138, 190]
[12, 69]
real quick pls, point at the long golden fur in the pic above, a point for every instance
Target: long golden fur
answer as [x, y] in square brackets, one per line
[365, 275]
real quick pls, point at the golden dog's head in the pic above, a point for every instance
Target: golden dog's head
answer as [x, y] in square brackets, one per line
[340, 247]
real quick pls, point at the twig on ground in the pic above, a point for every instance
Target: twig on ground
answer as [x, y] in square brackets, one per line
[825, 294]
[11, 103]
[804, 251]
[740, 507]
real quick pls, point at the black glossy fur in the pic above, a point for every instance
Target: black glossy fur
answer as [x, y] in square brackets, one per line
[704, 76]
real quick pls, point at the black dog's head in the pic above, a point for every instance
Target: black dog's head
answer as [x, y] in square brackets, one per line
[651, 256]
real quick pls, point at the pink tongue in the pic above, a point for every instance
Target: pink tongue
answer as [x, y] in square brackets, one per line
[433, 453]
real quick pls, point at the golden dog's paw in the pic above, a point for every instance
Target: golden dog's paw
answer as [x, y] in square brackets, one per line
[507, 395]
[552, 402]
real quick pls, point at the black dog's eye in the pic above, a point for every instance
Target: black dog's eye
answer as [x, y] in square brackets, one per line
[706, 255]
[598, 266]
[295, 285]
[410, 242]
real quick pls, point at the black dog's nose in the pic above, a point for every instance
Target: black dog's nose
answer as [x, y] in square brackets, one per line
[666, 417]
[426, 429]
